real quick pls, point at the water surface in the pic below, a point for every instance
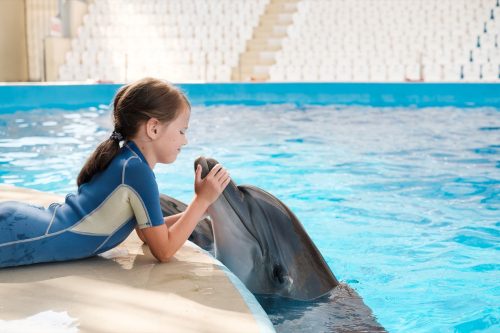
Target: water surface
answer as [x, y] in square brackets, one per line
[402, 203]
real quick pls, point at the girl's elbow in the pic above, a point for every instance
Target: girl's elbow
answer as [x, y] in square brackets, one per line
[163, 259]
[140, 235]
[164, 256]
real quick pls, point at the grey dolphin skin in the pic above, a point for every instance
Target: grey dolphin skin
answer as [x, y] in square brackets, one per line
[262, 242]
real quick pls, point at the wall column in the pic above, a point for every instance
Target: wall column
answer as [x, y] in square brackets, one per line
[13, 45]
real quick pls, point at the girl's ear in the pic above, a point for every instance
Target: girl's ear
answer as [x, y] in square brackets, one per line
[152, 126]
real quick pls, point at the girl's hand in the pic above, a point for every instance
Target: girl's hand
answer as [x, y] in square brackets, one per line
[209, 188]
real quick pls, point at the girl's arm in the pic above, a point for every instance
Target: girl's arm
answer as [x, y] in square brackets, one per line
[163, 241]
[169, 221]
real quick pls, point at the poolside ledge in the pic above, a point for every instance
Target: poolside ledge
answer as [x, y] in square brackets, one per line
[125, 290]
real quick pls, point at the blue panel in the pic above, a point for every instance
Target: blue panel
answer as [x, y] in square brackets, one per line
[119, 236]
[62, 247]
[23, 97]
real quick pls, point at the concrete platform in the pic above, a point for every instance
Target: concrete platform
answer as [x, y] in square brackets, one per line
[125, 290]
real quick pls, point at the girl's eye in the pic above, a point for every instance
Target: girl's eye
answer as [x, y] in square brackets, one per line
[182, 132]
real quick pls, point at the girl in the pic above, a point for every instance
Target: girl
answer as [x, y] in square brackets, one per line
[117, 190]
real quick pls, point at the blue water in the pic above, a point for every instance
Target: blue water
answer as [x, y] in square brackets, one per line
[404, 204]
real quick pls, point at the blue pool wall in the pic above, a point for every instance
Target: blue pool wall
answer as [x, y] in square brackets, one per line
[16, 97]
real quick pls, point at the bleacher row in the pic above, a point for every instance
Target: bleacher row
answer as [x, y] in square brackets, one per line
[329, 40]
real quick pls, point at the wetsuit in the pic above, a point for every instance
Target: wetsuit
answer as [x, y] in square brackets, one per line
[99, 217]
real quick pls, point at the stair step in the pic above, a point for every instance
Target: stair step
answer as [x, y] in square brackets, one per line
[281, 7]
[276, 19]
[273, 25]
[254, 71]
[251, 61]
[264, 45]
[261, 73]
[279, 18]
[260, 55]
[270, 33]
[267, 40]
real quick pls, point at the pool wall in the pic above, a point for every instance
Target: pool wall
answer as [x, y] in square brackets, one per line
[15, 97]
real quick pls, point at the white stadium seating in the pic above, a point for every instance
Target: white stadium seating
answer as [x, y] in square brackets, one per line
[124, 40]
[327, 40]
[391, 40]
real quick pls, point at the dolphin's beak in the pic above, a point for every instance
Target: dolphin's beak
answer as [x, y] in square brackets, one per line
[207, 164]
[205, 168]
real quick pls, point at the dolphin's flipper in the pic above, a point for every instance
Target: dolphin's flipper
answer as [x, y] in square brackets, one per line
[202, 234]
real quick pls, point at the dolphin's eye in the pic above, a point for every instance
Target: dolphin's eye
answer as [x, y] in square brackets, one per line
[278, 273]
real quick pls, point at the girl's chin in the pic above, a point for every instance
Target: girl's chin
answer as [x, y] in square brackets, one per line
[170, 160]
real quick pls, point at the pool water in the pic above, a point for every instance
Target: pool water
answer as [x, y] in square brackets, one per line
[403, 203]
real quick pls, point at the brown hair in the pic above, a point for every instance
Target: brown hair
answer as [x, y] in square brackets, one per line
[134, 104]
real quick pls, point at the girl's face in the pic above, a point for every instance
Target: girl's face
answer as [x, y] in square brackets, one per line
[171, 137]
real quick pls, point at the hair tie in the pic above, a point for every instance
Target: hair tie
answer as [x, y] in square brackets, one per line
[116, 136]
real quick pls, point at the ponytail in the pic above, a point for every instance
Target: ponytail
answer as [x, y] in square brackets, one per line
[133, 105]
[99, 160]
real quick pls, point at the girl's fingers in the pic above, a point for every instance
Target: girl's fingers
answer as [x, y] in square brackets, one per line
[222, 174]
[214, 170]
[225, 183]
[198, 173]
[224, 179]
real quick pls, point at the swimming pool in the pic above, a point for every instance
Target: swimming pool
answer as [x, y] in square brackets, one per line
[403, 203]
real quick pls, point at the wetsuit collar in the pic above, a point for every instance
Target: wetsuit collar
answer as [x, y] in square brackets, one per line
[135, 149]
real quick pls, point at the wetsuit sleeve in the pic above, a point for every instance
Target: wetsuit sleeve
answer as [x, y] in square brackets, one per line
[144, 195]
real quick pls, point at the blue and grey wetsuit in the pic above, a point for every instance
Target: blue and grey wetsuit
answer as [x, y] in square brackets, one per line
[98, 218]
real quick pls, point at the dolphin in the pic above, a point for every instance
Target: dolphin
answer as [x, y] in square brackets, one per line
[263, 243]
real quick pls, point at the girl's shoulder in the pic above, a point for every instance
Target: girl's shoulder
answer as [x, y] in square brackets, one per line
[129, 167]
[134, 164]
[135, 169]
[124, 157]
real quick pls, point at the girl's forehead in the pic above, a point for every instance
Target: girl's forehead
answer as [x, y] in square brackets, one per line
[184, 115]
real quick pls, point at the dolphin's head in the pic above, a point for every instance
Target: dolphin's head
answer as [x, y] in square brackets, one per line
[236, 244]
[207, 164]
[262, 242]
